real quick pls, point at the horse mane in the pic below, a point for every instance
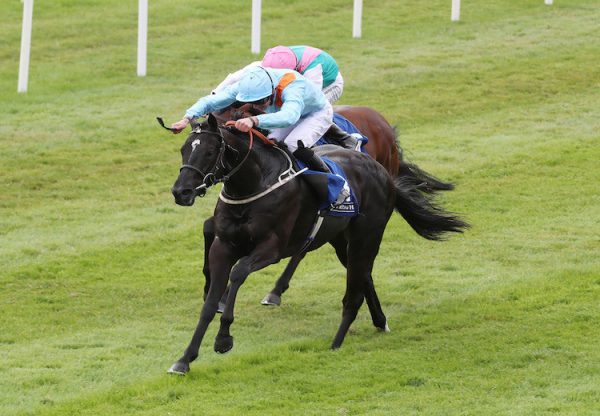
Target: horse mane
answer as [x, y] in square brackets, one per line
[397, 142]
[265, 154]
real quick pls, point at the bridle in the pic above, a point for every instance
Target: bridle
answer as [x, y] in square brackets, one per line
[284, 177]
[210, 177]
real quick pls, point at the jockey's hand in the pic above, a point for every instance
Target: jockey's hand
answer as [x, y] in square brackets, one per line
[244, 124]
[180, 125]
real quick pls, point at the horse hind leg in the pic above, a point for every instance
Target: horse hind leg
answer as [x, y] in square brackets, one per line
[352, 302]
[364, 236]
[341, 249]
[273, 298]
[360, 259]
[379, 320]
[377, 315]
[283, 283]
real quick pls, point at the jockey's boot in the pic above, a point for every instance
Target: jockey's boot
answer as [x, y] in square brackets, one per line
[310, 159]
[318, 183]
[345, 139]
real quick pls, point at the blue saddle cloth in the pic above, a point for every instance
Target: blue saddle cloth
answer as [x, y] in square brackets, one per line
[336, 183]
[346, 125]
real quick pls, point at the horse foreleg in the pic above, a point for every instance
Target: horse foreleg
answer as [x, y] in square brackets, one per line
[283, 283]
[221, 261]
[264, 254]
[209, 236]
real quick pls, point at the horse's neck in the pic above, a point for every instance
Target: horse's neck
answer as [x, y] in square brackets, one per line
[260, 170]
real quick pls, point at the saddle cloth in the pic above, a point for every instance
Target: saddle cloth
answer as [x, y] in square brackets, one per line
[336, 184]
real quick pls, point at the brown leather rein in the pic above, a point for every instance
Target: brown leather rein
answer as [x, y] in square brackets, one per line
[253, 132]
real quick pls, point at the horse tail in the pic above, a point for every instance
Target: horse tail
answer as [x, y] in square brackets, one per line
[422, 214]
[426, 182]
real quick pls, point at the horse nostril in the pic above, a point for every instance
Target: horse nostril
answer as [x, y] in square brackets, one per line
[182, 192]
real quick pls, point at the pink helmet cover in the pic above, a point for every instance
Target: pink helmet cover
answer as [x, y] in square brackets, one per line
[280, 57]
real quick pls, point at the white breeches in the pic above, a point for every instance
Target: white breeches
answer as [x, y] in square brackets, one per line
[309, 129]
[333, 91]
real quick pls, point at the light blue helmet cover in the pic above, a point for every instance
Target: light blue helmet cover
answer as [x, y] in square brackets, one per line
[255, 84]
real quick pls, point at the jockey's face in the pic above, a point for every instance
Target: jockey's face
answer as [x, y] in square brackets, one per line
[261, 105]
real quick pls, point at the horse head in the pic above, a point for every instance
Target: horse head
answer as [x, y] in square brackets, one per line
[213, 154]
[201, 156]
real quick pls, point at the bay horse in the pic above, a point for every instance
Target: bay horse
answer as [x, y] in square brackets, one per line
[382, 146]
[265, 213]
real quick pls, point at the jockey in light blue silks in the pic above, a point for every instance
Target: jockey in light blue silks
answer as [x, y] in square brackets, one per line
[295, 109]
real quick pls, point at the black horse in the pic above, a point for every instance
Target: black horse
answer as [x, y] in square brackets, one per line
[265, 213]
[383, 146]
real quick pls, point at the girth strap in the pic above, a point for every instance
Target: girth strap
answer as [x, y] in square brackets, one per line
[313, 233]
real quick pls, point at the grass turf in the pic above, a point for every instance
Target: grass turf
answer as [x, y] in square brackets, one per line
[100, 281]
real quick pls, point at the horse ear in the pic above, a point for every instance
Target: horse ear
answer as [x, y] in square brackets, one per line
[212, 121]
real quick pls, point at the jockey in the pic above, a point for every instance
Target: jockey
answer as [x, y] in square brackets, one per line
[296, 111]
[316, 65]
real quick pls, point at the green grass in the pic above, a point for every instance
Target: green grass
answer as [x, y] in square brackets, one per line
[100, 275]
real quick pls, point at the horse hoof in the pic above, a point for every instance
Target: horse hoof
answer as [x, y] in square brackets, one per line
[385, 329]
[223, 344]
[271, 299]
[221, 307]
[179, 368]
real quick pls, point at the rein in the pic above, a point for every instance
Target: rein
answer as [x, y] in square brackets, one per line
[289, 173]
[253, 132]
[210, 178]
[285, 177]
